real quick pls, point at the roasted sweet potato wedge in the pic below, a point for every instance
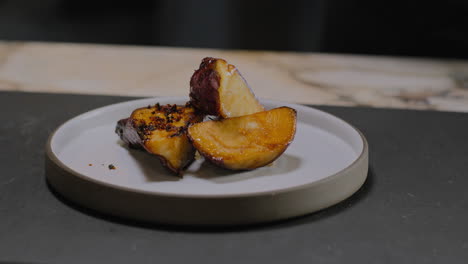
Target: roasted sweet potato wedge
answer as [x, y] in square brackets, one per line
[162, 131]
[217, 88]
[245, 142]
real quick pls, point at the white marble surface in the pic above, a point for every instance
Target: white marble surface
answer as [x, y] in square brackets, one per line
[311, 78]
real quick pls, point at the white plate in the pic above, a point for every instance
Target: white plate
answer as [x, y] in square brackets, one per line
[326, 163]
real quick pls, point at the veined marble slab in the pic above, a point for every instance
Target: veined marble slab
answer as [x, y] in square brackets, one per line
[310, 78]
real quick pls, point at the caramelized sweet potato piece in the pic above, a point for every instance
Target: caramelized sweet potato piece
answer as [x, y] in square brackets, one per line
[217, 88]
[162, 131]
[245, 142]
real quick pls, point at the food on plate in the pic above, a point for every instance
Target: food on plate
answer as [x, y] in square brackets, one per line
[217, 88]
[243, 135]
[245, 142]
[161, 131]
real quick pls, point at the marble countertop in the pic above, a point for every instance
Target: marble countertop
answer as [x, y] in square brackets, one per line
[310, 78]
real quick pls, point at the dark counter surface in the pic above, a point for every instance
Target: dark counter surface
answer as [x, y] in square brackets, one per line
[413, 207]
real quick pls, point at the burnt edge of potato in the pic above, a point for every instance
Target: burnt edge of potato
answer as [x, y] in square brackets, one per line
[204, 84]
[179, 172]
[134, 135]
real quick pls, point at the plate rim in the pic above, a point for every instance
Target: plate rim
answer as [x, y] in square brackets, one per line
[52, 157]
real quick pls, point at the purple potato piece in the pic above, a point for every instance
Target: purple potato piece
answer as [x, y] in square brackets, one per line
[128, 133]
[217, 88]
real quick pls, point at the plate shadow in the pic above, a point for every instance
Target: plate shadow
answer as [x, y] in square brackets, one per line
[155, 172]
[321, 215]
[208, 171]
[150, 165]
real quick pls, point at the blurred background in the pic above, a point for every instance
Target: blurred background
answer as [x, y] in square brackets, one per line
[404, 28]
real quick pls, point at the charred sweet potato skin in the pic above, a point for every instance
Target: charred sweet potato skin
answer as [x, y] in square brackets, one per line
[246, 142]
[204, 84]
[217, 88]
[161, 131]
[128, 133]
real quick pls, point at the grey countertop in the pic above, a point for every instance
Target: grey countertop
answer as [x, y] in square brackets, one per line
[412, 209]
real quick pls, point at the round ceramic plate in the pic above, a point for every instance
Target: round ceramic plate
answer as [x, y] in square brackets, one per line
[326, 163]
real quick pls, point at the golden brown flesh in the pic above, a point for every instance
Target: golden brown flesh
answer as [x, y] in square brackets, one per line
[217, 88]
[162, 131]
[245, 142]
